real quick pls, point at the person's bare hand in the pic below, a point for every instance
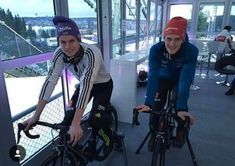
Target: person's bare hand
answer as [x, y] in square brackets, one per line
[183, 114]
[143, 108]
[31, 121]
[70, 103]
[75, 132]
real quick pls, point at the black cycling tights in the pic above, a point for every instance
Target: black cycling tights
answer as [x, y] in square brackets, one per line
[101, 94]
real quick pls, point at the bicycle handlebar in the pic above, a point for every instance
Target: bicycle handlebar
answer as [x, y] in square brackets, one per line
[135, 121]
[136, 114]
[55, 126]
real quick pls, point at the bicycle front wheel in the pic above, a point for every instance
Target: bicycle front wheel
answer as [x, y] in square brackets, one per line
[158, 157]
[55, 159]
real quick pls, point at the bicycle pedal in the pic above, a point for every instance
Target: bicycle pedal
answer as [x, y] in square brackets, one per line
[118, 148]
[177, 144]
[168, 146]
[120, 134]
[78, 147]
[118, 145]
[89, 154]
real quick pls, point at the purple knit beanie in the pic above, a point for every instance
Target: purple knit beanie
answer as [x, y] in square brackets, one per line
[66, 26]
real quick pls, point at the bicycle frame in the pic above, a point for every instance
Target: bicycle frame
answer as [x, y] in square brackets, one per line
[63, 150]
[165, 129]
[77, 151]
[62, 147]
[164, 136]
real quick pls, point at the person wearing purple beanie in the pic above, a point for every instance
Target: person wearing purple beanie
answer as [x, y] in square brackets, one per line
[85, 62]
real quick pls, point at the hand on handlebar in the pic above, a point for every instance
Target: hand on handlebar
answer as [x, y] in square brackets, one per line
[136, 110]
[143, 108]
[183, 114]
[31, 121]
[70, 103]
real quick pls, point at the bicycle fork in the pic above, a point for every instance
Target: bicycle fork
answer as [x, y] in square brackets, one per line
[158, 158]
[64, 153]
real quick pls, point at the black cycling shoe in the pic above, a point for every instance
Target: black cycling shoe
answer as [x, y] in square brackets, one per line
[179, 140]
[230, 92]
[90, 154]
[90, 150]
[118, 141]
[152, 143]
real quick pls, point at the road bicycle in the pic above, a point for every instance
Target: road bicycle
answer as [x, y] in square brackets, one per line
[165, 135]
[64, 154]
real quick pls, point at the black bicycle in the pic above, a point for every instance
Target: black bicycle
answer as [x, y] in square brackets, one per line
[64, 154]
[165, 135]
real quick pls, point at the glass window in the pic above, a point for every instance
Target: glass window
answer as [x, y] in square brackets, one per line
[143, 17]
[153, 21]
[116, 19]
[159, 22]
[183, 10]
[24, 85]
[143, 43]
[151, 40]
[116, 50]
[28, 31]
[232, 17]
[130, 17]
[210, 19]
[84, 13]
[130, 46]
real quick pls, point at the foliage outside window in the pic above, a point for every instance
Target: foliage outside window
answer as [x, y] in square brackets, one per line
[210, 17]
[26, 32]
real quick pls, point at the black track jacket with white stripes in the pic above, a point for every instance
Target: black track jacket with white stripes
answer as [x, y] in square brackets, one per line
[91, 70]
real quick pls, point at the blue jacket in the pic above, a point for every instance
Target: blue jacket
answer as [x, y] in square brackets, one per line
[180, 67]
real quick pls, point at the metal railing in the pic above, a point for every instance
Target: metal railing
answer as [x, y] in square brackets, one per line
[53, 112]
[13, 44]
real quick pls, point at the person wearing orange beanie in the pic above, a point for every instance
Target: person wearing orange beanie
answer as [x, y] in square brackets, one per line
[176, 25]
[172, 65]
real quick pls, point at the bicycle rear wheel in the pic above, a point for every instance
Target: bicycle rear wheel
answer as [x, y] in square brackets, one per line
[55, 159]
[106, 136]
[158, 157]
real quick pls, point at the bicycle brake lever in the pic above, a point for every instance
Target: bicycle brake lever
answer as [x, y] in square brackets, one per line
[135, 117]
[21, 127]
[187, 122]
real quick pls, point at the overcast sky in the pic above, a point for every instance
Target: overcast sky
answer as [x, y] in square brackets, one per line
[45, 8]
